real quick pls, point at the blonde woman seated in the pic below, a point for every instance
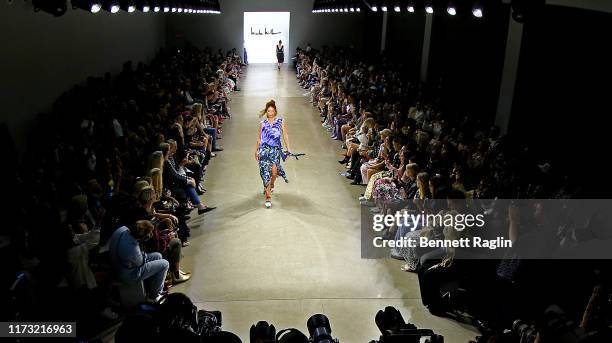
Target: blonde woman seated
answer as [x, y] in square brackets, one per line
[389, 191]
[349, 130]
[412, 255]
[156, 160]
[361, 142]
[377, 164]
[388, 145]
[314, 91]
[324, 94]
[164, 238]
[197, 111]
[196, 138]
[165, 203]
[332, 114]
[157, 181]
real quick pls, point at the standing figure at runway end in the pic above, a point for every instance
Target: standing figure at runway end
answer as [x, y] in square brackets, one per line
[280, 54]
[269, 148]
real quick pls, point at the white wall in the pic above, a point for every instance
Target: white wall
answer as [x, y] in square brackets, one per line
[261, 46]
[42, 56]
[226, 29]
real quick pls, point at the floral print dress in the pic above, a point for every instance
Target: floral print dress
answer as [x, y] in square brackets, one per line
[270, 150]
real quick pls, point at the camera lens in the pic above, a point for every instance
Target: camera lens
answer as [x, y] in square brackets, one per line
[524, 331]
[319, 329]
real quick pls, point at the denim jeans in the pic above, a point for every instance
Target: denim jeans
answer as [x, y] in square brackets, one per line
[192, 195]
[211, 131]
[153, 273]
[184, 193]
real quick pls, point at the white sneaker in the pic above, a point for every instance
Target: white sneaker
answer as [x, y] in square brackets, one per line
[268, 203]
[375, 210]
[362, 198]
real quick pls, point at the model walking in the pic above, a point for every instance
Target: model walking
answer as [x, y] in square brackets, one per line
[268, 151]
[280, 54]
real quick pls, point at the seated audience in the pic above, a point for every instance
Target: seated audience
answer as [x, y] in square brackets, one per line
[103, 158]
[131, 265]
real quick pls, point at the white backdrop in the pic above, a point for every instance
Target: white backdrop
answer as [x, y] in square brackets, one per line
[262, 48]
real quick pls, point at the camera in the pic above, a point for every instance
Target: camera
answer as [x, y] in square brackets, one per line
[525, 332]
[174, 315]
[395, 330]
[556, 326]
[319, 329]
[318, 325]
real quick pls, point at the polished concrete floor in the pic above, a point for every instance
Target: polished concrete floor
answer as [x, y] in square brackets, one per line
[302, 256]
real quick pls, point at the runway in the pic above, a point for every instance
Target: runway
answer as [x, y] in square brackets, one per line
[302, 256]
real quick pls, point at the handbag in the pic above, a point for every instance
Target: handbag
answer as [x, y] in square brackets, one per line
[161, 240]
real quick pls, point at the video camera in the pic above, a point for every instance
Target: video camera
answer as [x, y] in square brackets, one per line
[390, 323]
[395, 330]
[557, 327]
[318, 328]
[174, 316]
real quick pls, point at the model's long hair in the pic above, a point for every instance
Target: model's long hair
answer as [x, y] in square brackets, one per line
[269, 104]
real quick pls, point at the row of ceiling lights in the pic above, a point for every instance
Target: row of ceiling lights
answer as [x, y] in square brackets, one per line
[477, 10]
[59, 7]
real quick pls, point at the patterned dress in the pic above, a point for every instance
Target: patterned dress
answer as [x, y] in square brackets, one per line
[270, 150]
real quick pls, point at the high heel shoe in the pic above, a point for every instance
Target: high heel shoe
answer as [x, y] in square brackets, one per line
[183, 276]
[345, 160]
